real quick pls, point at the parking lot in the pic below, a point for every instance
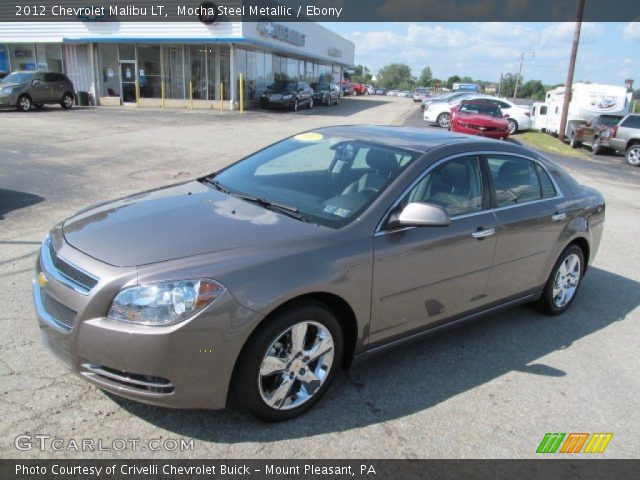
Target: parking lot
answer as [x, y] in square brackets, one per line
[489, 389]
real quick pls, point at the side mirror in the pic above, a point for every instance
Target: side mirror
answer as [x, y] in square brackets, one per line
[35, 82]
[418, 214]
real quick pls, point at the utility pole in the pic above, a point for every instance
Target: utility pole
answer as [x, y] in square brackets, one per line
[500, 86]
[572, 67]
[515, 90]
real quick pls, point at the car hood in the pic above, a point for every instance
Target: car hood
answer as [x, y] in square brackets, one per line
[11, 85]
[175, 222]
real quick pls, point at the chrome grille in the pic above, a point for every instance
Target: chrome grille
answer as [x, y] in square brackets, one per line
[65, 268]
[59, 313]
[136, 381]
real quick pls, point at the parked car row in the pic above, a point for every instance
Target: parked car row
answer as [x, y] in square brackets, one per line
[293, 95]
[29, 89]
[438, 110]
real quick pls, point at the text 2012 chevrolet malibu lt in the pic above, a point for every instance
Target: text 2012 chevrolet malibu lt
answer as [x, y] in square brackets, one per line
[255, 284]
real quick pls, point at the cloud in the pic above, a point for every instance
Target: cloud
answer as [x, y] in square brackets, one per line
[631, 31]
[484, 50]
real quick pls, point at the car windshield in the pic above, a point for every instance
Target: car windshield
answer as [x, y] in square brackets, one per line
[420, 90]
[284, 87]
[322, 179]
[320, 86]
[482, 108]
[20, 78]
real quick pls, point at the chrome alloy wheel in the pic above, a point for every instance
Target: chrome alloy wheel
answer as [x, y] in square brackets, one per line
[296, 365]
[633, 155]
[566, 281]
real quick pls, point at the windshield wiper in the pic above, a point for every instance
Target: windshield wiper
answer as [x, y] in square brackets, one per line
[215, 183]
[280, 207]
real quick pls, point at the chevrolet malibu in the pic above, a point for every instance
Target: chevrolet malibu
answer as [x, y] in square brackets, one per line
[254, 284]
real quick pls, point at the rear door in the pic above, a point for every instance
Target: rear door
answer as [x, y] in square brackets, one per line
[531, 214]
[55, 86]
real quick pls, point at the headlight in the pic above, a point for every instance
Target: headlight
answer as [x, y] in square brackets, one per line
[7, 90]
[164, 303]
[287, 97]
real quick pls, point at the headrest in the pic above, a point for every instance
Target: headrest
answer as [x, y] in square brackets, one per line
[512, 169]
[454, 175]
[381, 160]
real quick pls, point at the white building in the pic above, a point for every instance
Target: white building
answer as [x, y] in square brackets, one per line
[176, 61]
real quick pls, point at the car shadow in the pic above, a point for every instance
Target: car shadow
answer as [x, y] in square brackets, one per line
[424, 373]
[13, 200]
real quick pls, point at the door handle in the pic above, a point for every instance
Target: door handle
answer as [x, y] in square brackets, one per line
[480, 234]
[558, 216]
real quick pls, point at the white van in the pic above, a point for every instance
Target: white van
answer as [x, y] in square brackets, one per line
[588, 100]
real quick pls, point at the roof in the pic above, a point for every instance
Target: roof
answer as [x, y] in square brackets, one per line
[404, 137]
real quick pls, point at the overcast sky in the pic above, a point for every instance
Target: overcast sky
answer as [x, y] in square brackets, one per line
[609, 52]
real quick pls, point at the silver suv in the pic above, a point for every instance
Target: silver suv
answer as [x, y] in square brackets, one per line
[32, 89]
[626, 138]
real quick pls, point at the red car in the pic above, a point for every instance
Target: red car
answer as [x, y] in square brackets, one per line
[479, 117]
[358, 88]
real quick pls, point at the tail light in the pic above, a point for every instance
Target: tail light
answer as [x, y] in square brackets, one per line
[614, 131]
[528, 114]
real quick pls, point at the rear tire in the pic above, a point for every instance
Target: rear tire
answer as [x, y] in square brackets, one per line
[633, 155]
[564, 282]
[24, 103]
[573, 143]
[271, 360]
[67, 101]
[513, 126]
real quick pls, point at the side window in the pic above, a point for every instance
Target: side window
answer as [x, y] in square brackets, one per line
[546, 185]
[455, 186]
[543, 110]
[632, 121]
[515, 179]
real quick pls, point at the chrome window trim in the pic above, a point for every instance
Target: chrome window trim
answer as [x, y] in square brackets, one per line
[49, 267]
[559, 194]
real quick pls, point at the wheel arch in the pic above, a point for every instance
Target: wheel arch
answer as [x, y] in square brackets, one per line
[630, 143]
[583, 244]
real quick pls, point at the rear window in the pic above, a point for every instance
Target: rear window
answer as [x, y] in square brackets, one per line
[632, 121]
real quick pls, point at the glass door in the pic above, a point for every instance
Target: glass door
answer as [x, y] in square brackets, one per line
[128, 76]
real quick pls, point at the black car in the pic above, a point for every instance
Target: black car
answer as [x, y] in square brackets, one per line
[289, 94]
[325, 93]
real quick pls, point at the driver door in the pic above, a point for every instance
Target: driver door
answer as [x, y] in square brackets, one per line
[425, 276]
[39, 91]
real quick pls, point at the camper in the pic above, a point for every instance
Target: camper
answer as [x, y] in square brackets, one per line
[588, 100]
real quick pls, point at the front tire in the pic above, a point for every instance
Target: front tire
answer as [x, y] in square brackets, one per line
[633, 155]
[563, 283]
[67, 101]
[444, 120]
[596, 146]
[310, 104]
[289, 363]
[24, 103]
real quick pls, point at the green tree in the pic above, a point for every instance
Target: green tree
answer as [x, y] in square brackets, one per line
[467, 80]
[395, 75]
[426, 76]
[453, 79]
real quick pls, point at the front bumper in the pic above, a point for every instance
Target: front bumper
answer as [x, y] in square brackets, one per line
[498, 135]
[431, 116]
[188, 365]
[8, 100]
[282, 103]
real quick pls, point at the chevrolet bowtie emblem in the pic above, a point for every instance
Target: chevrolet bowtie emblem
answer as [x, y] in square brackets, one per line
[42, 279]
